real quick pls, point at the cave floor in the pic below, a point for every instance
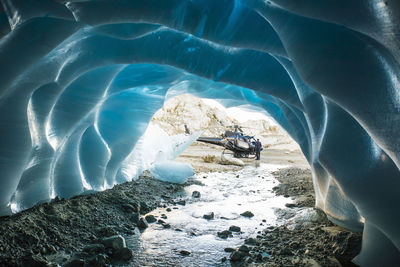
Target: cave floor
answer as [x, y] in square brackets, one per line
[285, 230]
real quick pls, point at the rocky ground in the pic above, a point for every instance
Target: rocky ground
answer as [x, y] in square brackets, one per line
[86, 230]
[306, 237]
[89, 230]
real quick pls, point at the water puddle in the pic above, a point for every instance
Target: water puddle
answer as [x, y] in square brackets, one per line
[227, 195]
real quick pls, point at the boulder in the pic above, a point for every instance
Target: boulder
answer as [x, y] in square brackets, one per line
[224, 234]
[135, 217]
[94, 249]
[98, 260]
[115, 242]
[181, 202]
[250, 241]
[247, 214]
[184, 252]
[209, 216]
[196, 194]
[234, 228]
[143, 223]
[237, 256]
[150, 218]
[123, 254]
[244, 248]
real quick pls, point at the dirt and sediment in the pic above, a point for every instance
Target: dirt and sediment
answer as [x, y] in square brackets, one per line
[89, 230]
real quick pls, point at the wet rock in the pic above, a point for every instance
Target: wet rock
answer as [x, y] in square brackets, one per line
[229, 249]
[290, 205]
[159, 221]
[168, 209]
[250, 241]
[166, 225]
[244, 248]
[98, 260]
[94, 249]
[123, 254]
[34, 261]
[181, 202]
[196, 194]
[184, 252]
[247, 214]
[150, 218]
[223, 259]
[116, 242]
[225, 234]
[163, 216]
[144, 208]
[234, 228]
[143, 223]
[209, 216]
[135, 217]
[237, 256]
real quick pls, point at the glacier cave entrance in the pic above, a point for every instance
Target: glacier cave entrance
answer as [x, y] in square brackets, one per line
[80, 80]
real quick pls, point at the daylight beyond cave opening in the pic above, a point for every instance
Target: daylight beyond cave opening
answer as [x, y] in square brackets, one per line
[329, 74]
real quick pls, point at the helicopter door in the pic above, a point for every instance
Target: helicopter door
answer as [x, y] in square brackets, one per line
[242, 144]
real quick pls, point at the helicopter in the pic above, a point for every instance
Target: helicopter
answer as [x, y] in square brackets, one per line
[241, 145]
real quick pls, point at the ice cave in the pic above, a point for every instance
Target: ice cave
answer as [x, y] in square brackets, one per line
[80, 81]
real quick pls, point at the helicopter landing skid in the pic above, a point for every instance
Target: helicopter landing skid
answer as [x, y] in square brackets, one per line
[239, 154]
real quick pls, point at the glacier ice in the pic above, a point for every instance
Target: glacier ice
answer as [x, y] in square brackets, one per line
[173, 172]
[80, 81]
[156, 151]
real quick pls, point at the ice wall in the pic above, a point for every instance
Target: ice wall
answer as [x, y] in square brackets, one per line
[80, 81]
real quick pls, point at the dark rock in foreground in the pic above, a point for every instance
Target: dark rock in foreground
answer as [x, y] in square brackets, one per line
[209, 216]
[115, 242]
[142, 224]
[237, 256]
[225, 234]
[150, 218]
[248, 214]
[234, 228]
[184, 252]
[123, 254]
[196, 194]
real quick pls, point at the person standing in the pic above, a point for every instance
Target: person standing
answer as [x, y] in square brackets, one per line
[187, 131]
[258, 147]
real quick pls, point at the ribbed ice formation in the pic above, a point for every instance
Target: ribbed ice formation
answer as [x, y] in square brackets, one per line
[80, 81]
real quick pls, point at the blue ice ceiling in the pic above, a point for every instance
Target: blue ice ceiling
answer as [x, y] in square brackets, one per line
[80, 80]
